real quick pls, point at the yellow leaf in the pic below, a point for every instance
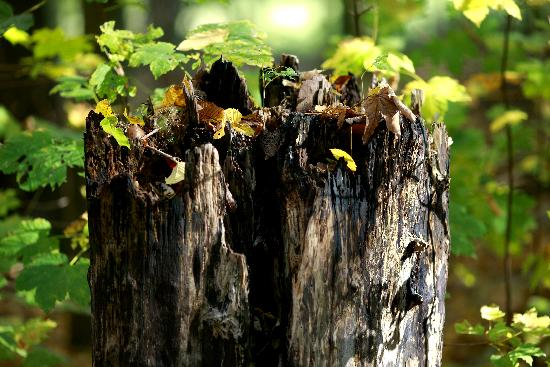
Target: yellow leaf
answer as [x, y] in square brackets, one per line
[244, 129]
[173, 97]
[531, 321]
[134, 119]
[200, 40]
[477, 10]
[231, 115]
[512, 117]
[491, 313]
[338, 153]
[104, 107]
[177, 175]
[16, 36]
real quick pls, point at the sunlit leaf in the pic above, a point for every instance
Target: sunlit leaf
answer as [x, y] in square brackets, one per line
[177, 174]
[109, 125]
[438, 92]
[136, 120]
[104, 107]
[477, 10]
[338, 153]
[174, 96]
[199, 40]
[530, 321]
[239, 42]
[16, 36]
[50, 43]
[525, 352]
[160, 56]
[491, 313]
[511, 117]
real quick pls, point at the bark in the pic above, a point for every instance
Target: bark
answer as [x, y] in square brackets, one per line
[266, 255]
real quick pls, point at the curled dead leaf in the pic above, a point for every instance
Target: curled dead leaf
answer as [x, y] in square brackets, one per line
[173, 97]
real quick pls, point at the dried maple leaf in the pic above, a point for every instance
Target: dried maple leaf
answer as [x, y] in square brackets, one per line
[382, 102]
[210, 114]
[173, 97]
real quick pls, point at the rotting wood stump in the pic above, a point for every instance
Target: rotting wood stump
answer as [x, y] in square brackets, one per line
[266, 254]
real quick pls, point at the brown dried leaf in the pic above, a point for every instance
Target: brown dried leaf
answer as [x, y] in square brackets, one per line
[382, 102]
[174, 97]
[210, 114]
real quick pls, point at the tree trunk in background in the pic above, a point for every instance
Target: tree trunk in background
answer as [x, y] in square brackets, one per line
[263, 256]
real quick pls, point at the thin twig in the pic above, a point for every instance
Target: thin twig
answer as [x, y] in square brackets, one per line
[174, 159]
[507, 263]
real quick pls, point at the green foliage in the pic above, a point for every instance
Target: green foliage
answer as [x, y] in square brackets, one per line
[107, 83]
[8, 125]
[269, 74]
[17, 339]
[358, 55]
[42, 357]
[438, 92]
[239, 42]
[9, 201]
[109, 125]
[39, 158]
[515, 342]
[120, 44]
[8, 19]
[537, 83]
[161, 57]
[77, 87]
[53, 279]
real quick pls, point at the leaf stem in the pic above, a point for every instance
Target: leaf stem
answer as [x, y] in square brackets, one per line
[507, 262]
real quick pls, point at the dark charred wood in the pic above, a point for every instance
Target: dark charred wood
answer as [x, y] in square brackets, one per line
[224, 86]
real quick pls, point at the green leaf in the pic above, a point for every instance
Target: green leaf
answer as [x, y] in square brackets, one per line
[42, 357]
[56, 283]
[51, 43]
[109, 125]
[160, 56]
[500, 333]
[537, 74]
[108, 84]
[465, 327]
[200, 40]
[29, 242]
[491, 313]
[8, 201]
[39, 159]
[501, 361]
[7, 19]
[239, 42]
[526, 352]
[119, 44]
[76, 87]
[8, 125]
[438, 92]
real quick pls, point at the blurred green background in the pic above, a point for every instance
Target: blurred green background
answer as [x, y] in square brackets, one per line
[438, 38]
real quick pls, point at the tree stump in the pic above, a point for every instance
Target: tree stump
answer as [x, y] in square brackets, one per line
[265, 254]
